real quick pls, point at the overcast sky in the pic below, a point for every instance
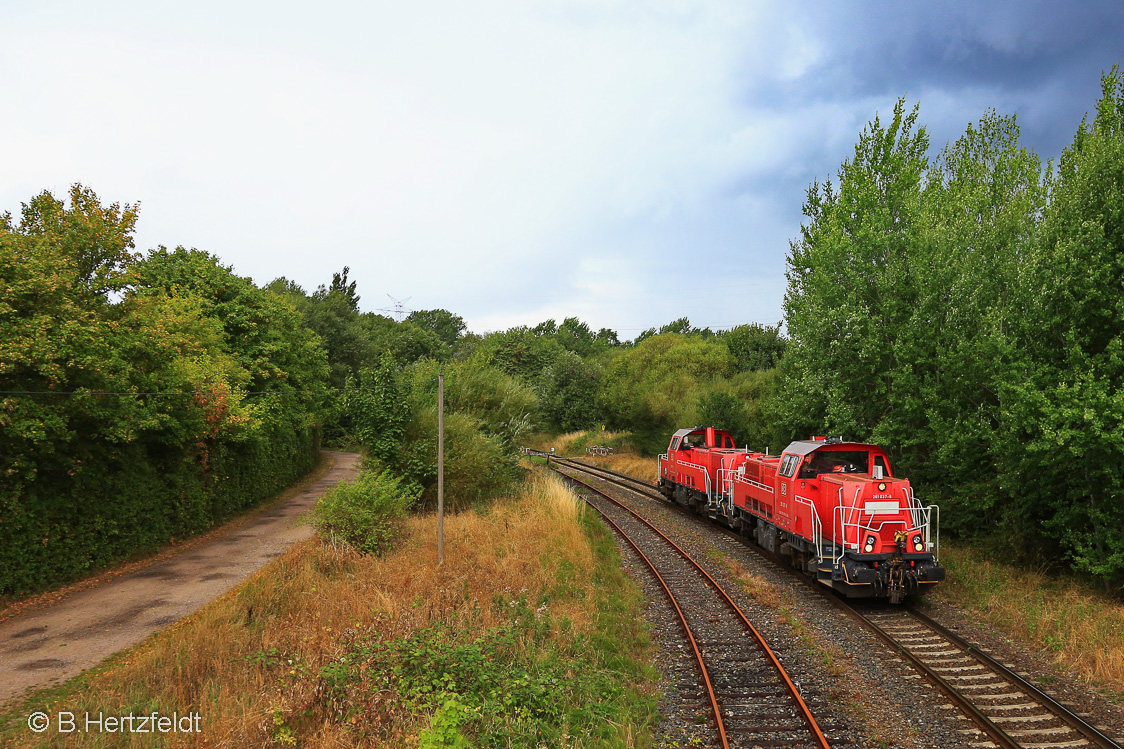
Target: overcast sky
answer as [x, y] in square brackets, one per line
[624, 162]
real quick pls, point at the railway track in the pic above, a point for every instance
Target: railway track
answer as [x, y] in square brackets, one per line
[1007, 710]
[753, 701]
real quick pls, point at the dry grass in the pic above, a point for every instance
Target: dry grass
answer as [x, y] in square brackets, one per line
[1082, 629]
[577, 441]
[757, 587]
[251, 660]
[634, 465]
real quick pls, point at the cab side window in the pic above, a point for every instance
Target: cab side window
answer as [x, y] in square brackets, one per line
[788, 465]
[675, 443]
[878, 461]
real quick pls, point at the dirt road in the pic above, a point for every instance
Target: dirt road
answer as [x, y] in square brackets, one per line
[56, 641]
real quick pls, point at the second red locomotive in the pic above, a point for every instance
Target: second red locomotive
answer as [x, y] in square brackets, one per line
[834, 508]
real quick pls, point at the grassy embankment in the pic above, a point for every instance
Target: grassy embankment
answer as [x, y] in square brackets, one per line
[1080, 628]
[624, 458]
[530, 634]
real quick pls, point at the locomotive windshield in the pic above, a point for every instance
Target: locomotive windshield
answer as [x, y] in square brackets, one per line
[835, 461]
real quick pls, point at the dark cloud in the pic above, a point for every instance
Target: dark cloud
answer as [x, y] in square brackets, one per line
[1041, 60]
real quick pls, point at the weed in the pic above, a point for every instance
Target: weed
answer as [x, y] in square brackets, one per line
[367, 514]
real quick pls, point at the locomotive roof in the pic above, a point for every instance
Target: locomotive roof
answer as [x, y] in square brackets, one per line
[692, 430]
[803, 447]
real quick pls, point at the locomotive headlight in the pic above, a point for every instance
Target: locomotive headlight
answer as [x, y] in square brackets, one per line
[869, 546]
[918, 544]
[882, 486]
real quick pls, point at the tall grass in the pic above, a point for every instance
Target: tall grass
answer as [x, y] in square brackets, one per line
[253, 663]
[1081, 629]
[573, 444]
[630, 463]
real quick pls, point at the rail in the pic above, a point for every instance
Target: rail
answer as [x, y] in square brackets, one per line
[790, 687]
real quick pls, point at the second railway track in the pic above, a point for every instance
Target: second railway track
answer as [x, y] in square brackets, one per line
[1007, 710]
[753, 700]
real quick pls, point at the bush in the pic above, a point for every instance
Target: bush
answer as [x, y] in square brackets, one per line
[366, 514]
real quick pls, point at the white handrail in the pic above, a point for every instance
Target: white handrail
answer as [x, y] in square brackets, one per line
[920, 516]
[817, 526]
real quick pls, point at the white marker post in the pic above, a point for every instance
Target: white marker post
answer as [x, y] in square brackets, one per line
[440, 469]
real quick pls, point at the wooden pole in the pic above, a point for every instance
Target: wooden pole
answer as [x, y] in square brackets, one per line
[440, 468]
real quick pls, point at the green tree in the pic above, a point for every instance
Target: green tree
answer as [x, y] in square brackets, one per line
[95, 239]
[852, 288]
[131, 423]
[755, 346]
[442, 323]
[983, 199]
[346, 340]
[652, 389]
[341, 287]
[1064, 405]
[262, 332]
[568, 393]
[375, 409]
[520, 352]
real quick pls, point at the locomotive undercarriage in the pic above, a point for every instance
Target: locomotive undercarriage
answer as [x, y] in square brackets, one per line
[892, 575]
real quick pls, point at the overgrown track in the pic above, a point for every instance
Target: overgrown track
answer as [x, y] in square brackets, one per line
[1009, 711]
[753, 700]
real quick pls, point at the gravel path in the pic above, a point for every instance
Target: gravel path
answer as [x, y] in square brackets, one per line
[48, 643]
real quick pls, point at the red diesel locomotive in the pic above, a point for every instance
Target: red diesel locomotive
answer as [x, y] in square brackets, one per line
[834, 508]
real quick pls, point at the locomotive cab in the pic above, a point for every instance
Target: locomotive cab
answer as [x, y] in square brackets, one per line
[696, 467]
[874, 539]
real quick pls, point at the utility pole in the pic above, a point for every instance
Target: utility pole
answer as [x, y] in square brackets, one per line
[440, 468]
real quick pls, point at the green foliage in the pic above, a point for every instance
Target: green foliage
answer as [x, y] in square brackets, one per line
[135, 427]
[375, 409]
[264, 334]
[568, 393]
[442, 323]
[407, 342]
[756, 347]
[340, 287]
[444, 727]
[1065, 410]
[94, 239]
[521, 352]
[652, 389]
[344, 337]
[367, 513]
[966, 314]
[852, 287]
[487, 414]
[723, 409]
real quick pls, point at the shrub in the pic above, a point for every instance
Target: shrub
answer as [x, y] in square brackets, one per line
[367, 513]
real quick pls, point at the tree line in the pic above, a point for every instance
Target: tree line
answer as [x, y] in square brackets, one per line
[146, 397]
